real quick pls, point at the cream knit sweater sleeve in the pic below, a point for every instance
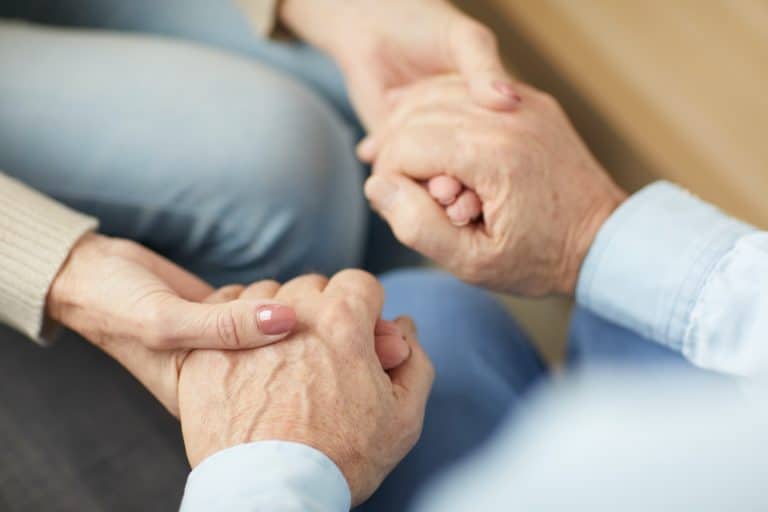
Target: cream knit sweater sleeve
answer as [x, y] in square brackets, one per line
[36, 235]
[261, 13]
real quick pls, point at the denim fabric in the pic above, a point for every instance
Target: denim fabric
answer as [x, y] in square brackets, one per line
[231, 155]
[229, 166]
[632, 427]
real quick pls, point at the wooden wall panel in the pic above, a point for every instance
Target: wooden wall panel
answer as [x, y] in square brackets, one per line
[660, 88]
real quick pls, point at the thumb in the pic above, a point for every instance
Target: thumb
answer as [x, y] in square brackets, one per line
[234, 325]
[414, 217]
[477, 59]
[391, 346]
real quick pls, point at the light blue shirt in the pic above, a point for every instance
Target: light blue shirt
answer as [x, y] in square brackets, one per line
[665, 265]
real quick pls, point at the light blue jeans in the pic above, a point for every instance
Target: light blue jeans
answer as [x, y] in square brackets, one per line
[229, 154]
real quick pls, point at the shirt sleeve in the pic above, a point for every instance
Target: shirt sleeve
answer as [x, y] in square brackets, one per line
[679, 271]
[36, 235]
[268, 475]
[624, 441]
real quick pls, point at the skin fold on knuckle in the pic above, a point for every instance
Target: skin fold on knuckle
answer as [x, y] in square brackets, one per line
[363, 285]
[337, 320]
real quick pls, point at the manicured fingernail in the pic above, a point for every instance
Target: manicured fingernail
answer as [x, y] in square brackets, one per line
[381, 192]
[275, 319]
[507, 90]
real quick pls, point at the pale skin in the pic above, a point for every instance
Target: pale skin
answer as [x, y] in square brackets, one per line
[323, 387]
[148, 313]
[381, 51]
[114, 291]
[345, 382]
[544, 196]
[513, 201]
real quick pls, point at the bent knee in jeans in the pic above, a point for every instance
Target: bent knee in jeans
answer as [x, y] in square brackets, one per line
[233, 169]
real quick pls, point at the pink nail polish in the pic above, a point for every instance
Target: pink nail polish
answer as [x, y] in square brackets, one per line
[275, 319]
[508, 90]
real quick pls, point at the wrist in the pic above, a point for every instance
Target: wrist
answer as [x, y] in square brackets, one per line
[584, 236]
[314, 21]
[65, 292]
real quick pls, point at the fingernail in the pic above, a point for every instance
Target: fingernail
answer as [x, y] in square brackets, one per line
[508, 90]
[382, 192]
[404, 351]
[275, 319]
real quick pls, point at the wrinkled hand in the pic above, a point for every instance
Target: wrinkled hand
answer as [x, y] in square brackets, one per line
[323, 386]
[115, 293]
[381, 46]
[544, 196]
[462, 206]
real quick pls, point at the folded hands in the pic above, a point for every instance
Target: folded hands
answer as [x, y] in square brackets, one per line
[480, 173]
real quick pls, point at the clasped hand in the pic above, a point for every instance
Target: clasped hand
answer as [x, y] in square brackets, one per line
[148, 313]
[341, 379]
[324, 386]
[543, 195]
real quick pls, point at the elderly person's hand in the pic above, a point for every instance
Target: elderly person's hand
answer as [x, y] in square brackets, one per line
[544, 196]
[323, 386]
[383, 45]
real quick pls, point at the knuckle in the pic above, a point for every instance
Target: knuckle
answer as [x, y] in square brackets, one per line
[337, 312]
[261, 290]
[478, 33]
[415, 435]
[312, 277]
[307, 281]
[360, 280]
[412, 430]
[409, 230]
[548, 100]
[392, 156]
